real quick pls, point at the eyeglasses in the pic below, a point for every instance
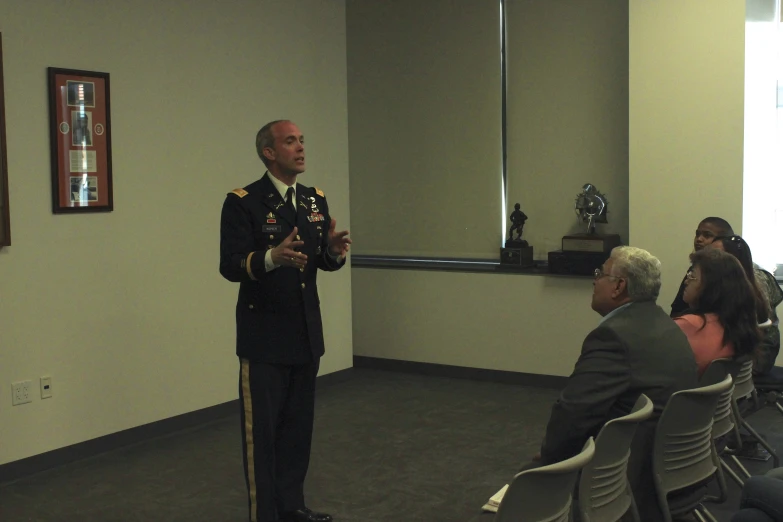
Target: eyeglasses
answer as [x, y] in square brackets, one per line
[689, 276]
[598, 274]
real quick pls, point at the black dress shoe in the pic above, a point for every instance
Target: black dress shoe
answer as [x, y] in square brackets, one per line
[304, 515]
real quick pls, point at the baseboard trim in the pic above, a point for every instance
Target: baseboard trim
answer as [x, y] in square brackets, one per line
[333, 378]
[460, 372]
[51, 459]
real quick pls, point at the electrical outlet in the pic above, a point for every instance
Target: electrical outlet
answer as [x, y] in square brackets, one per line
[46, 387]
[21, 392]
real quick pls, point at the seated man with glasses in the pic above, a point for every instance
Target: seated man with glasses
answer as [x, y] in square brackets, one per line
[636, 348]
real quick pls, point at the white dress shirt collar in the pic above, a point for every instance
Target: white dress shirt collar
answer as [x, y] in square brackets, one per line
[281, 187]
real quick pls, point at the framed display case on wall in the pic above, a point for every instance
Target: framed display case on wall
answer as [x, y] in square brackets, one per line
[80, 130]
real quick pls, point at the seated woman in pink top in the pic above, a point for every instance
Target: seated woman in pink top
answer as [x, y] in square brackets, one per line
[720, 321]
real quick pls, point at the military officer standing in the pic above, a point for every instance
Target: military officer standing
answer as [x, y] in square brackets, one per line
[274, 236]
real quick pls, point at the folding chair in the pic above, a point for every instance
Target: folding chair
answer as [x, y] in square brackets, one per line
[745, 389]
[604, 492]
[770, 386]
[544, 494]
[724, 424]
[684, 456]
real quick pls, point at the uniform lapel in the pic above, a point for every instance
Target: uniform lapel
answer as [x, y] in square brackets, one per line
[302, 208]
[272, 199]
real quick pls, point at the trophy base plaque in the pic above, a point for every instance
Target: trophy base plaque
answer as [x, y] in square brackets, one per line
[597, 243]
[516, 254]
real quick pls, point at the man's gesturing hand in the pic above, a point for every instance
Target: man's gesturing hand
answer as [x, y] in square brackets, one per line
[285, 255]
[339, 242]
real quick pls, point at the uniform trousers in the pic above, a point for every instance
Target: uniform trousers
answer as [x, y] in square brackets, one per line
[278, 404]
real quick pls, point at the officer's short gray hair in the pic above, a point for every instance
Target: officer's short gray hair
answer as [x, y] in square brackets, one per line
[265, 138]
[641, 271]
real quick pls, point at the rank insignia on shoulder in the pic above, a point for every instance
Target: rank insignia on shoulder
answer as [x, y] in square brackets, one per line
[319, 192]
[240, 192]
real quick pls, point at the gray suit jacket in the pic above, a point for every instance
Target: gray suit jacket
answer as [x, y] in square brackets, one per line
[638, 350]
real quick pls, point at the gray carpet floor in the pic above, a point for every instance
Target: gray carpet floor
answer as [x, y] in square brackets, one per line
[387, 447]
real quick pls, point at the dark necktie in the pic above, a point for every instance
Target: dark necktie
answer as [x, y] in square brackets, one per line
[289, 198]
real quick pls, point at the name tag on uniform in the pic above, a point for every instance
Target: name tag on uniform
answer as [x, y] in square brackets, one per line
[271, 228]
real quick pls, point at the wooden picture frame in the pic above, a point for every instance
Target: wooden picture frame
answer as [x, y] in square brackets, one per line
[5, 211]
[80, 136]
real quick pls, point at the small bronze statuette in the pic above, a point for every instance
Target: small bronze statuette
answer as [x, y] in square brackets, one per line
[516, 252]
[518, 219]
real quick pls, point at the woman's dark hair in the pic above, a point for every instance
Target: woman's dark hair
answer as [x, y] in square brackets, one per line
[727, 293]
[740, 249]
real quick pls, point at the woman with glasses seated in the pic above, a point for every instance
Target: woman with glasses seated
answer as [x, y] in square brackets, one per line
[720, 321]
[768, 296]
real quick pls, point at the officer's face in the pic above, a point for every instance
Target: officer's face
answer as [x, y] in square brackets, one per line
[288, 153]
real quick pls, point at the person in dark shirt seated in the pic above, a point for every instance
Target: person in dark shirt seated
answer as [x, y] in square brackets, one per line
[709, 229]
[635, 349]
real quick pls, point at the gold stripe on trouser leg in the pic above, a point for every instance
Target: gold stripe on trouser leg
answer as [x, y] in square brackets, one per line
[251, 471]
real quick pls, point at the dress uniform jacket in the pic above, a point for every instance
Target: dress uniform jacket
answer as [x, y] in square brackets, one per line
[278, 313]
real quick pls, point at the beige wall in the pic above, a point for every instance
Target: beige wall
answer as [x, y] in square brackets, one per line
[685, 125]
[567, 114]
[520, 323]
[126, 310]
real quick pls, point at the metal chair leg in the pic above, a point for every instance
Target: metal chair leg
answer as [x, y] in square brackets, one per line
[742, 468]
[731, 473]
[699, 516]
[706, 513]
[721, 498]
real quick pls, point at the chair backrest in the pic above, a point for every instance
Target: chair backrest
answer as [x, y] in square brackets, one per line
[544, 494]
[723, 420]
[683, 453]
[718, 370]
[604, 492]
[743, 381]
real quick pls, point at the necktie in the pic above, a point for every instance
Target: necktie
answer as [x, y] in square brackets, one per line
[289, 198]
